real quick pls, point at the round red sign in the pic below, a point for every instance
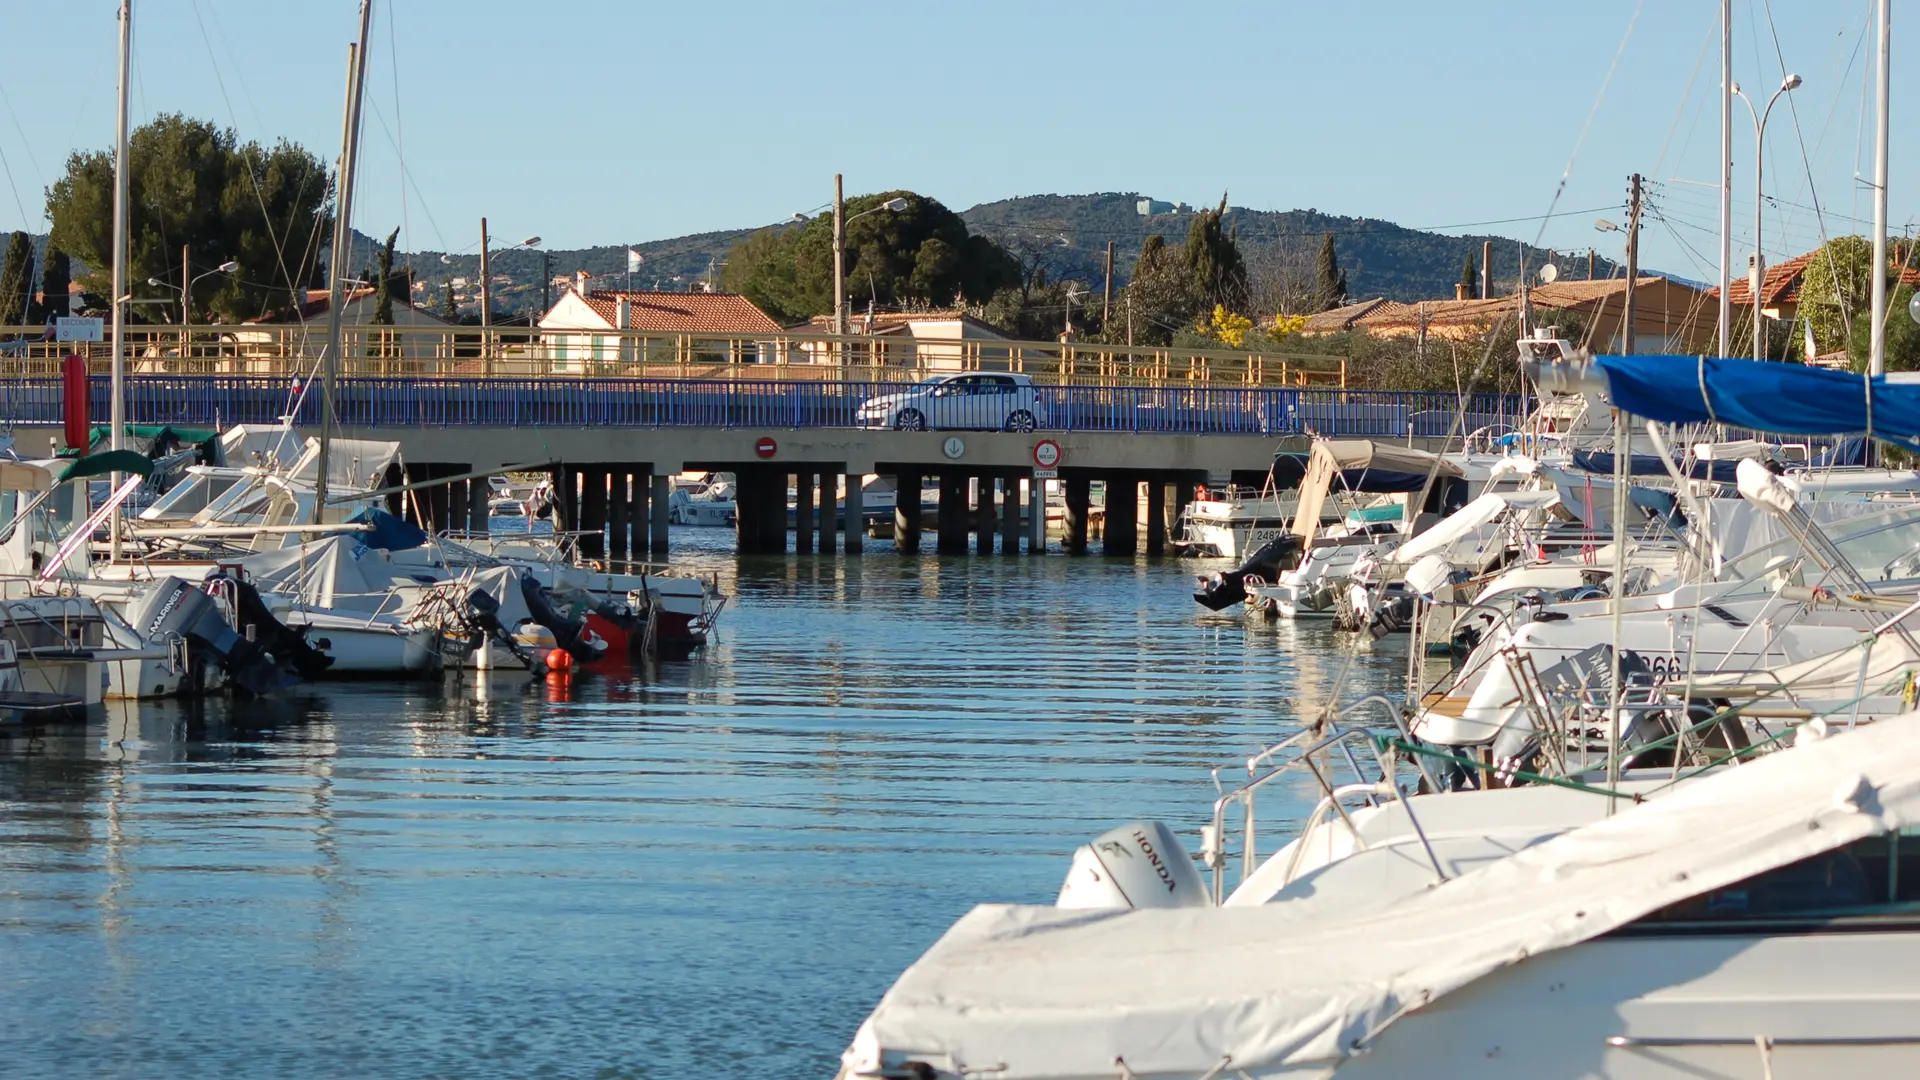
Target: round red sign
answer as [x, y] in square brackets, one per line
[1046, 453]
[766, 447]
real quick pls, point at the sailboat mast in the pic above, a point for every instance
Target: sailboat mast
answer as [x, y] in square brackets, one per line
[1726, 174]
[342, 246]
[1877, 355]
[117, 407]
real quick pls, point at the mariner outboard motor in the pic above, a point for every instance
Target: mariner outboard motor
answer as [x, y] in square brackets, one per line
[178, 608]
[1223, 590]
[570, 634]
[484, 612]
[287, 645]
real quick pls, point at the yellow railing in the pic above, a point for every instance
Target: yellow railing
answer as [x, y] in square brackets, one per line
[516, 352]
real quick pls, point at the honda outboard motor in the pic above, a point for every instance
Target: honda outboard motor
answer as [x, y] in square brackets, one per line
[1138, 865]
[484, 612]
[177, 608]
[1226, 589]
[287, 645]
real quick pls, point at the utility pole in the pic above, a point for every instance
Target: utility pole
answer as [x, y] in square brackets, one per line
[839, 260]
[1129, 321]
[1633, 269]
[186, 282]
[1486, 269]
[546, 281]
[1589, 264]
[1877, 354]
[1106, 302]
[486, 289]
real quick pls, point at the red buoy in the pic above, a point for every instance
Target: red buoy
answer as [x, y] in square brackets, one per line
[559, 661]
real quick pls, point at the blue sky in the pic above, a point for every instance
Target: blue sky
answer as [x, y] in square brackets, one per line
[601, 121]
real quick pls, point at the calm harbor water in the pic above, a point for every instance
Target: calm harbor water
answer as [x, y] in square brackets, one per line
[711, 868]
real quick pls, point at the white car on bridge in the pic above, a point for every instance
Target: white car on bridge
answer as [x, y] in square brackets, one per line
[970, 400]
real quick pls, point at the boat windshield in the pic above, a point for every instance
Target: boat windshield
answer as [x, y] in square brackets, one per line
[192, 495]
[1876, 544]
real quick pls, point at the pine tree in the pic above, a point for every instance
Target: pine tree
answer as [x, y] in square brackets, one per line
[1332, 279]
[16, 279]
[1470, 280]
[383, 282]
[449, 310]
[56, 275]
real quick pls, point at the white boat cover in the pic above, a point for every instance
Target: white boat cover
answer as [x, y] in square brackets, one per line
[1330, 458]
[352, 464]
[1468, 519]
[336, 572]
[268, 445]
[1022, 993]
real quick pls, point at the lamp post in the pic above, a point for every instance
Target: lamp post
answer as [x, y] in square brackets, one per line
[1759, 257]
[186, 294]
[840, 223]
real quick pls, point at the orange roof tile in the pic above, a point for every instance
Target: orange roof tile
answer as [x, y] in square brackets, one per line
[683, 313]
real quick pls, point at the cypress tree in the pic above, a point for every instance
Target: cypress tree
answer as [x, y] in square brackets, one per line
[16, 279]
[1332, 279]
[449, 310]
[1214, 265]
[56, 275]
[383, 282]
[1470, 279]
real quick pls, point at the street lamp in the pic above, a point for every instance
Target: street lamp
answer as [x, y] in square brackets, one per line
[1759, 257]
[840, 222]
[186, 294]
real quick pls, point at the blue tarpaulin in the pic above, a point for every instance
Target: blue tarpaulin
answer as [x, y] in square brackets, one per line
[388, 532]
[1785, 399]
[1601, 461]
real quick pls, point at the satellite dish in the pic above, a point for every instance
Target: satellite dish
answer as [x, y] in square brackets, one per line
[1549, 274]
[1913, 308]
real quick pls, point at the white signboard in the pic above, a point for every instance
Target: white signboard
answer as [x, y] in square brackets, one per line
[77, 329]
[1046, 474]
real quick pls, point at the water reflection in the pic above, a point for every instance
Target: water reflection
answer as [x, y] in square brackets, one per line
[658, 873]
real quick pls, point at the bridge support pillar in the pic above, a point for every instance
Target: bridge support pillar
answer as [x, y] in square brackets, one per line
[906, 511]
[983, 514]
[1156, 515]
[657, 500]
[479, 492]
[1121, 535]
[1010, 514]
[854, 520]
[803, 519]
[593, 512]
[1036, 516]
[951, 530]
[1079, 494]
[619, 513]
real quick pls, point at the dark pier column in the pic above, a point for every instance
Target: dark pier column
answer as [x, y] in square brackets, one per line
[396, 502]
[1036, 516]
[566, 497]
[1079, 496]
[750, 484]
[983, 514]
[593, 512]
[803, 519]
[952, 515]
[855, 518]
[478, 494]
[906, 511]
[1122, 533]
[1010, 514]
[619, 513]
[662, 490]
[1156, 515]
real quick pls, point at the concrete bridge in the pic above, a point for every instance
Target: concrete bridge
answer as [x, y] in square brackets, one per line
[612, 445]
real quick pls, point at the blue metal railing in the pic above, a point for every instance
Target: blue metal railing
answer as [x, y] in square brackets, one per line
[220, 400]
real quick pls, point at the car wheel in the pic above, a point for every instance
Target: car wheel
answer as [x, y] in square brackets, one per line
[910, 420]
[1020, 421]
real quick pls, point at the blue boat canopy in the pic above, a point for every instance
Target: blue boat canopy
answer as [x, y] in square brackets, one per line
[1784, 399]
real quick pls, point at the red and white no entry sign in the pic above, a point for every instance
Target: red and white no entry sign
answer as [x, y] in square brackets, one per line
[766, 447]
[1046, 453]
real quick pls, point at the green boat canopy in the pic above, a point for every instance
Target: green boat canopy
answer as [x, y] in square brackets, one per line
[158, 431]
[111, 461]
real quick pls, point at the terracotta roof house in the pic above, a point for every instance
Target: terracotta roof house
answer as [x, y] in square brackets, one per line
[1669, 316]
[938, 340]
[582, 327]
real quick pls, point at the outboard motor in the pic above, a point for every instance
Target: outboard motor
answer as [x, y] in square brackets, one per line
[289, 646]
[570, 634]
[1138, 865]
[1223, 590]
[177, 608]
[484, 612]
